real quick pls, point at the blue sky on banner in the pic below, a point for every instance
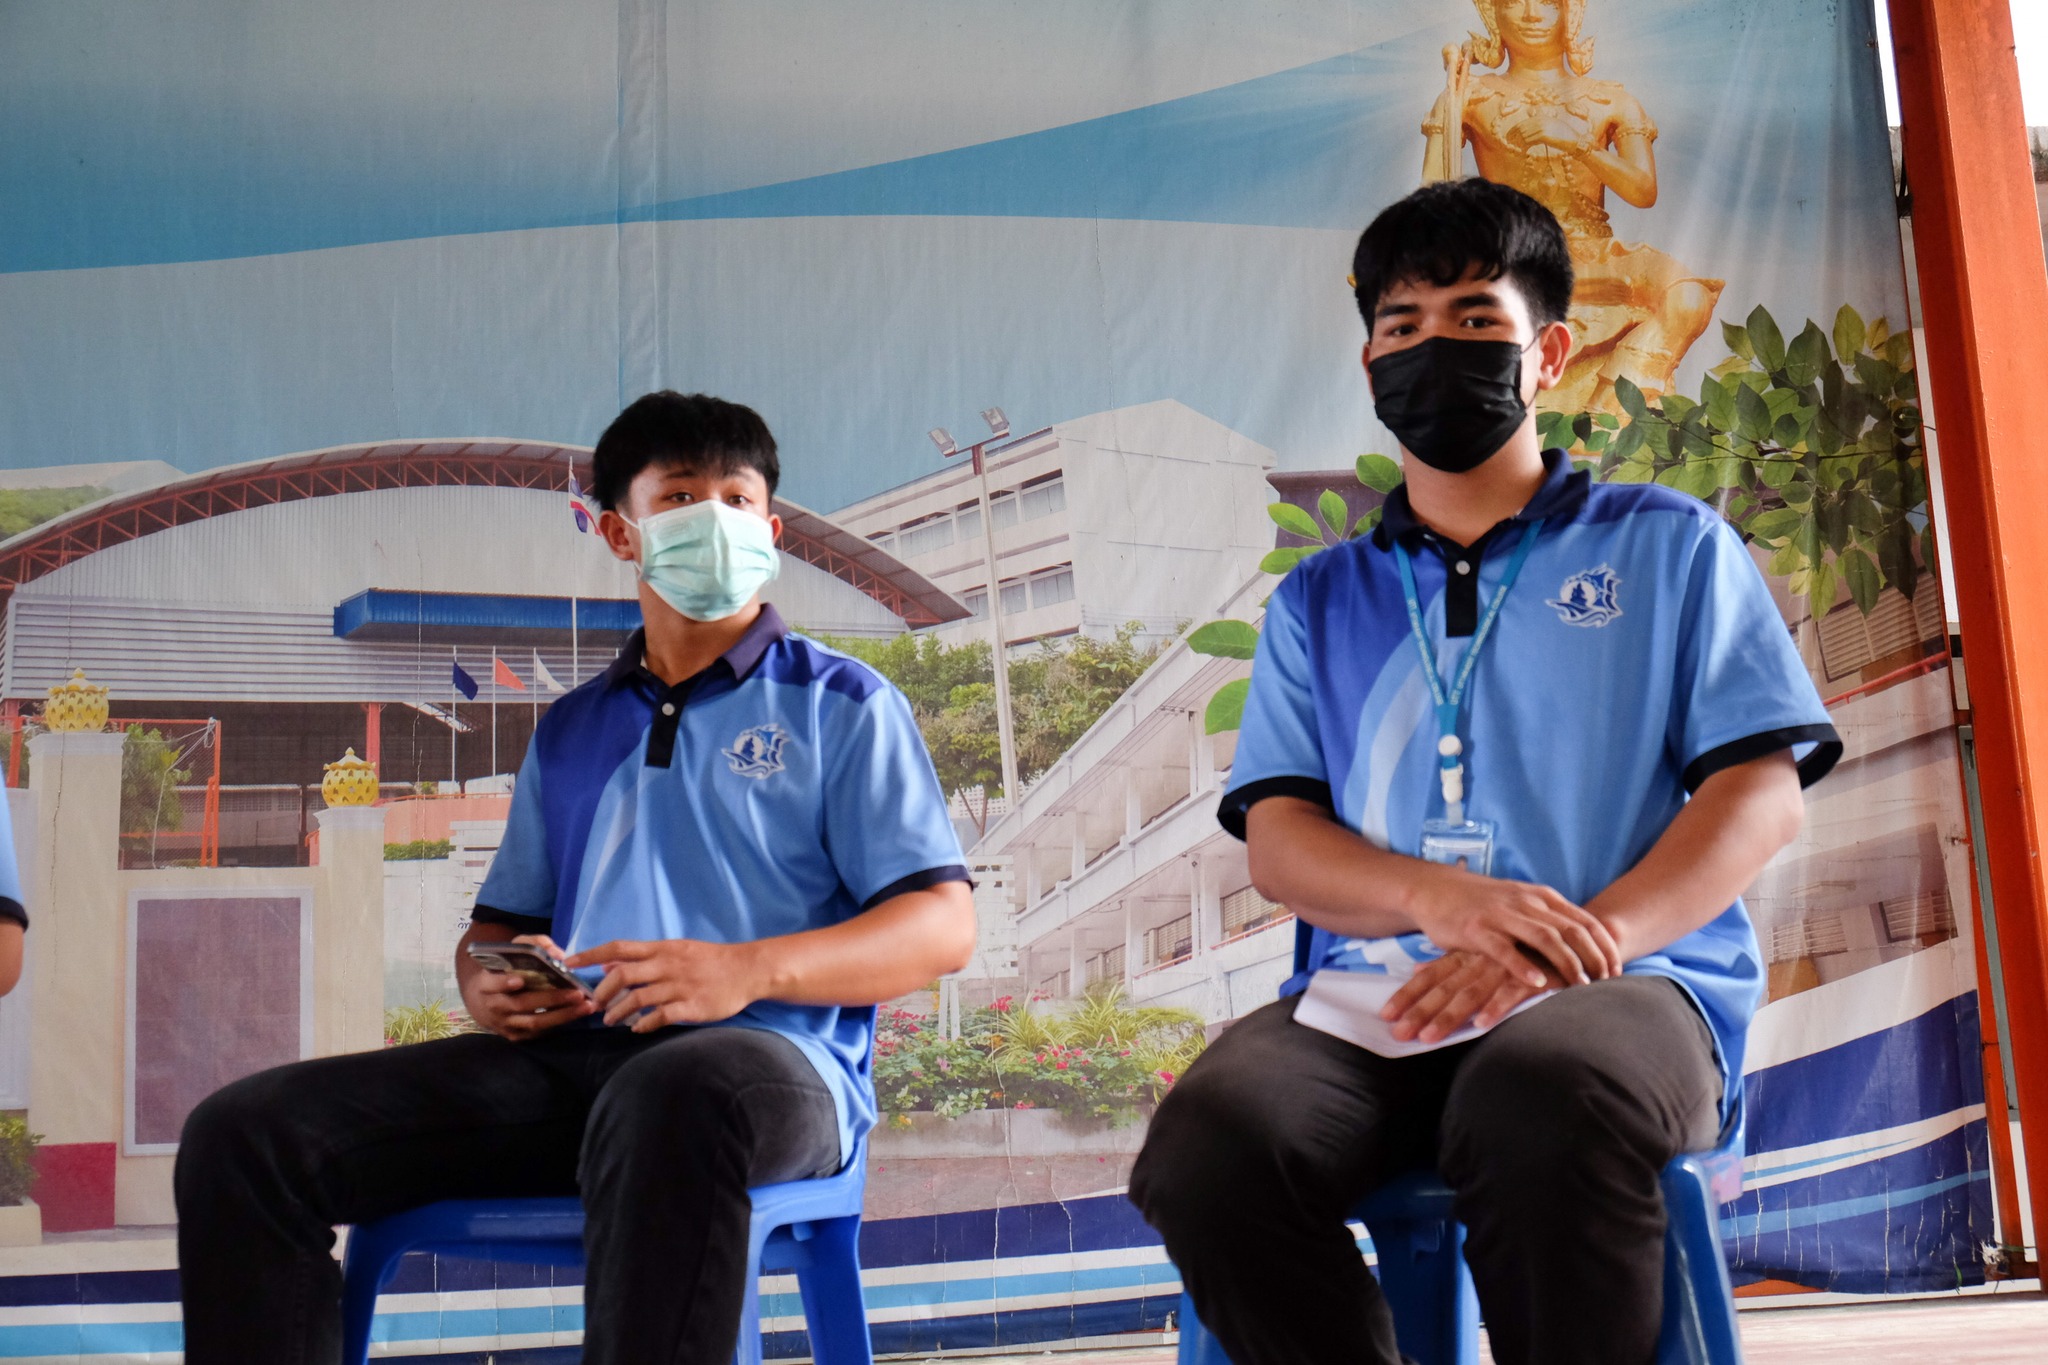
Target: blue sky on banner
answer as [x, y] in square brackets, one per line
[865, 233]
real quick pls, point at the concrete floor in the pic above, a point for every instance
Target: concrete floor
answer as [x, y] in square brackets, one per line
[2011, 1326]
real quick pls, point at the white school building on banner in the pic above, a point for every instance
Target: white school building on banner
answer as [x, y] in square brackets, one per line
[1151, 513]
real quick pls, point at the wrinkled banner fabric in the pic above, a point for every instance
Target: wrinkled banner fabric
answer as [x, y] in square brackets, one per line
[312, 312]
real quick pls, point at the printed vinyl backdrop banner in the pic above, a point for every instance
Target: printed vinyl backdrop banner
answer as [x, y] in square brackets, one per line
[311, 311]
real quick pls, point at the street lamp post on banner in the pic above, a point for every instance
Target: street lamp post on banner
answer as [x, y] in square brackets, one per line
[999, 429]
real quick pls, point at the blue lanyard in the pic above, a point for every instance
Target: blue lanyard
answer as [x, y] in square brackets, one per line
[1450, 704]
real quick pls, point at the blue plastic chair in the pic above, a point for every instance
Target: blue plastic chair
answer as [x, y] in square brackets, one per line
[1422, 1269]
[808, 1227]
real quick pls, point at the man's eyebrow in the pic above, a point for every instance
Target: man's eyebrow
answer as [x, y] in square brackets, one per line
[1484, 298]
[1392, 310]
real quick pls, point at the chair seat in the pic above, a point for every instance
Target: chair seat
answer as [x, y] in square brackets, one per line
[807, 1227]
[1416, 1195]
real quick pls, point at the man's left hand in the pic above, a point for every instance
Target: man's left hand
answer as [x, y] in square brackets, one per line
[673, 981]
[1456, 989]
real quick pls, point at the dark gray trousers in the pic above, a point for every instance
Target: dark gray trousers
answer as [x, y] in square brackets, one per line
[1552, 1129]
[662, 1134]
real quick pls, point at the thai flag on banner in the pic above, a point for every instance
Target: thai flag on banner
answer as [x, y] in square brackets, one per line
[464, 684]
[545, 678]
[580, 508]
[503, 676]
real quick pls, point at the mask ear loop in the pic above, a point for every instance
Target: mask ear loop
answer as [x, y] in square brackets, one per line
[1521, 362]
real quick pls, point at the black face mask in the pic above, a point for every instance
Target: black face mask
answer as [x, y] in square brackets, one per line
[1451, 403]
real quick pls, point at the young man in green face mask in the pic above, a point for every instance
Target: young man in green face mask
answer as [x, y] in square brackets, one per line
[735, 834]
[1512, 759]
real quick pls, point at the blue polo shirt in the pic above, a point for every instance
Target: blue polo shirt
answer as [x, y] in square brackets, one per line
[784, 788]
[1638, 653]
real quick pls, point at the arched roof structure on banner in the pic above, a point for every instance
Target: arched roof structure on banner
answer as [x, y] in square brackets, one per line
[483, 462]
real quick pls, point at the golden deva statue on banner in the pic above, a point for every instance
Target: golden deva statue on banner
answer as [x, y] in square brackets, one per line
[1545, 127]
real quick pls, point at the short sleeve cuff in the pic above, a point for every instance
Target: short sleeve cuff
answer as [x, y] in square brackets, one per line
[1238, 801]
[525, 924]
[12, 909]
[919, 881]
[1819, 760]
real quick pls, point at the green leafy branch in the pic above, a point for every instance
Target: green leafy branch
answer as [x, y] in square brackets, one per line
[1812, 448]
[1330, 525]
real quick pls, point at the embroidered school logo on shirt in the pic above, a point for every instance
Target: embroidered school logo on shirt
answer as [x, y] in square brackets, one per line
[757, 753]
[1592, 598]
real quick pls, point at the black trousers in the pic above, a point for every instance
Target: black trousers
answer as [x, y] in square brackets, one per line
[1552, 1129]
[661, 1134]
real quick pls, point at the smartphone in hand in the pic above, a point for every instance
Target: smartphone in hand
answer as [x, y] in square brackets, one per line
[540, 969]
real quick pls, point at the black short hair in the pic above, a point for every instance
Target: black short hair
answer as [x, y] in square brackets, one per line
[693, 432]
[1447, 229]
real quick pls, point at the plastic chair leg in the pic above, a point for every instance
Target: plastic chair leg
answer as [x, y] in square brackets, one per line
[366, 1268]
[1422, 1272]
[1699, 1302]
[1198, 1346]
[834, 1308]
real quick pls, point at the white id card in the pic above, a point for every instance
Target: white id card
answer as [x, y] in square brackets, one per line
[1467, 844]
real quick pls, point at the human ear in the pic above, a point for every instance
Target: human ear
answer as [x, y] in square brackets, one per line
[1365, 362]
[618, 536]
[1554, 349]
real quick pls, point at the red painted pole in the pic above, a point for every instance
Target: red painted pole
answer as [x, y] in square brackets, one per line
[1984, 298]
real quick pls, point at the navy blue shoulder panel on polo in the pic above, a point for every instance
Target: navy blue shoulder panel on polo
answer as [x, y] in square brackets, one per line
[580, 743]
[802, 663]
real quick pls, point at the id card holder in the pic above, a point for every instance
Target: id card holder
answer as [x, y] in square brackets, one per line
[1467, 844]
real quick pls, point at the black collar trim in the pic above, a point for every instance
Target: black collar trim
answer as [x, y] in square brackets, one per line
[742, 658]
[1563, 493]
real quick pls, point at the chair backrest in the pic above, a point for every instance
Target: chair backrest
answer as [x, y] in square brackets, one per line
[1304, 939]
[1724, 1163]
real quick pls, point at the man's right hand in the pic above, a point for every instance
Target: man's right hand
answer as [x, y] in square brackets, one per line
[503, 1003]
[1532, 932]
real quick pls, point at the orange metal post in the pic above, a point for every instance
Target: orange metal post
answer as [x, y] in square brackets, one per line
[373, 732]
[209, 836]
[1984, 296]
[2005, 1187]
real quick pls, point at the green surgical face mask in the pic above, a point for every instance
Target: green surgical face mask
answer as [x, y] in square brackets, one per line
[707, 560]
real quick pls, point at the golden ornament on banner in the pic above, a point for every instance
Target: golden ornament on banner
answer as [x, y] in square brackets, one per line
[349, 782]
[76, 705]
[1543, 124]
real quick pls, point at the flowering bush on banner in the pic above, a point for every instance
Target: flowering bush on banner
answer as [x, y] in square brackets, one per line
[1103, 1059]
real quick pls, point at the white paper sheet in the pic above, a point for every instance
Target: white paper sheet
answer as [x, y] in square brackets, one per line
[1347, 1005]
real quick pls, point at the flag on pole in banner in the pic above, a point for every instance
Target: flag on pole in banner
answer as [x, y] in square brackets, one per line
[503, 676]
[543, 677]
[464, 684]
[580, 508]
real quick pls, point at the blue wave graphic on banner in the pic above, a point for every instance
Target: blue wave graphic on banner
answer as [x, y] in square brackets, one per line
[1302, 148]
[1876, 1215]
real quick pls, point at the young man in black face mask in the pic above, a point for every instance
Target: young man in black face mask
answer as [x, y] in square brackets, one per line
[1514, 758]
